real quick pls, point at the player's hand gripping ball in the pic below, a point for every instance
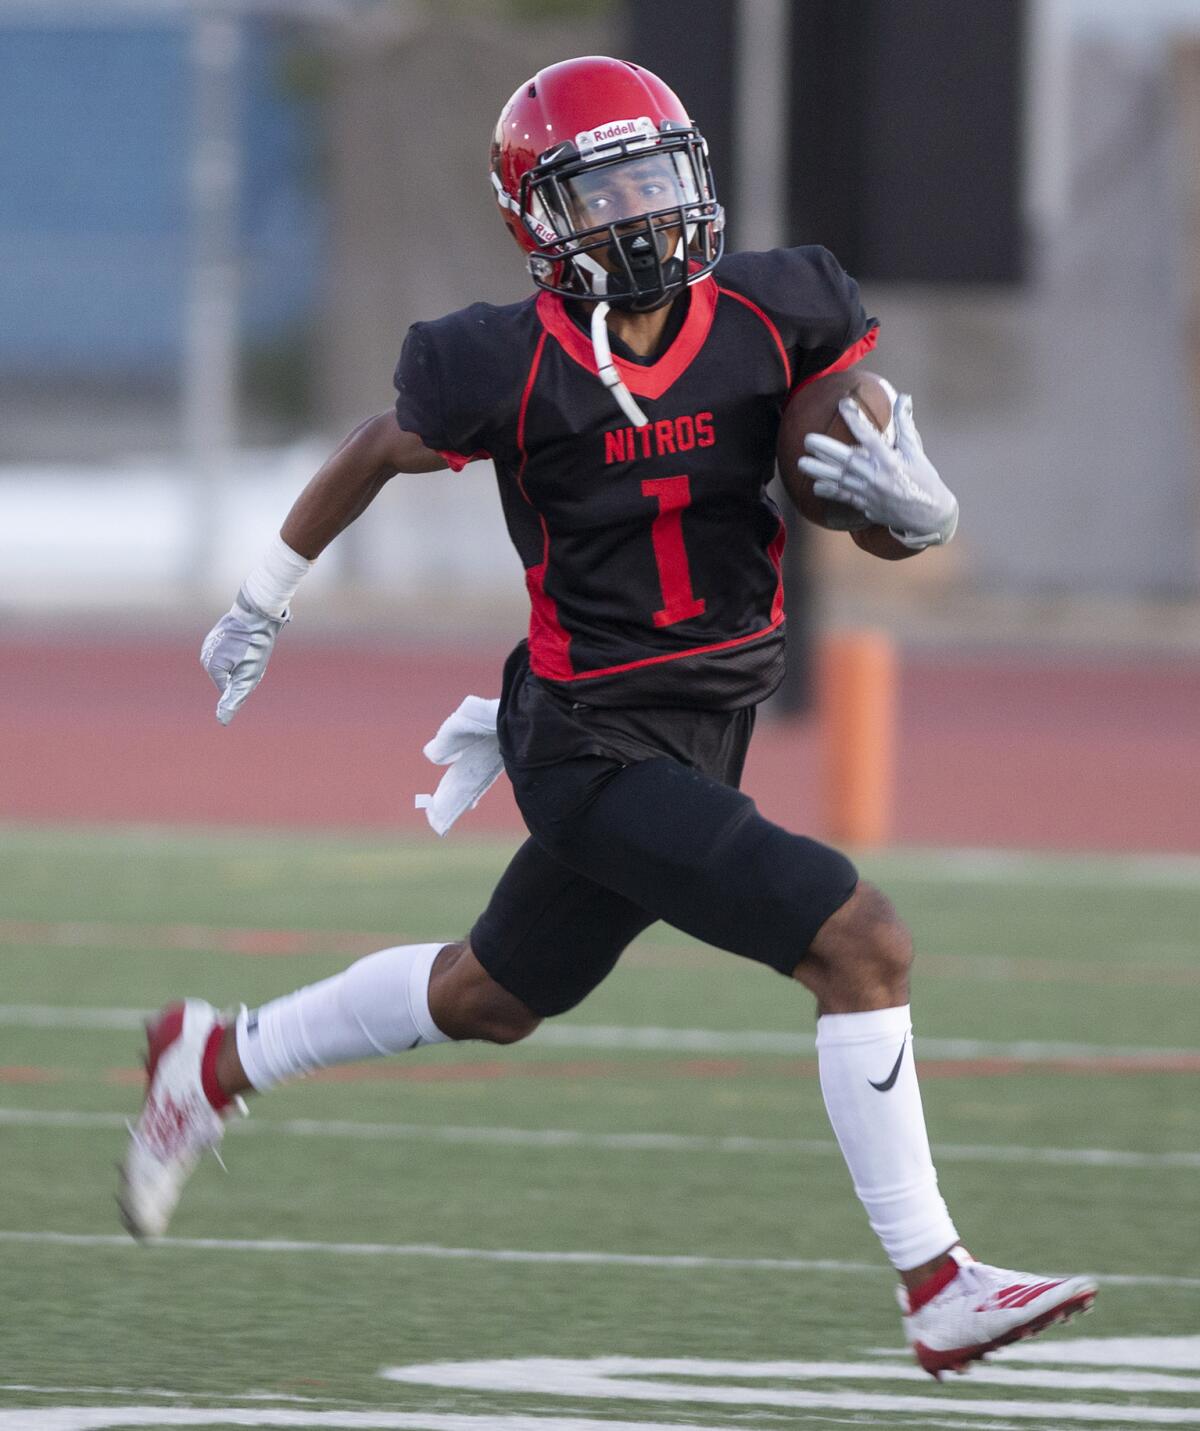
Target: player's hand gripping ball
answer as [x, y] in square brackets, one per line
[814, 408]
[887, 477]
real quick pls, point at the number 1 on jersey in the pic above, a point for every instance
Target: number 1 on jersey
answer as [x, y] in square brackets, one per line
[672, 494]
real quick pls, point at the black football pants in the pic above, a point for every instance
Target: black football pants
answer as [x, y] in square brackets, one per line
[615, 847]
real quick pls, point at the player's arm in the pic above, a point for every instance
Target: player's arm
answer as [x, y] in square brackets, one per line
[351, 479]
[236, 651]
[864, 468]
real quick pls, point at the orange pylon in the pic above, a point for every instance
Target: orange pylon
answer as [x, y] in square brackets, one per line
[857, 703]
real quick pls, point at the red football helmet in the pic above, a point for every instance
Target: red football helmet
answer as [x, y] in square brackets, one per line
[605, 182]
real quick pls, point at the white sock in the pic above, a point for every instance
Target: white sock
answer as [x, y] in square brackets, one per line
[377, 1006]
[882, 1132]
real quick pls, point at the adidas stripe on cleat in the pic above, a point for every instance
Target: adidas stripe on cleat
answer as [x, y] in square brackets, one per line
[967, 1309]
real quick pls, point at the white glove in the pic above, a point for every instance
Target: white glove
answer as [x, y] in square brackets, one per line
[236, 651]
[466, 742]
[895, 487]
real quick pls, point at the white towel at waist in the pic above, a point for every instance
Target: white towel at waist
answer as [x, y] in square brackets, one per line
[466, 742]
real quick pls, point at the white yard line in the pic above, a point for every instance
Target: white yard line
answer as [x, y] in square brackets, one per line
[1048, 870]
[1124, 1367]
[692, 1379]
[648, 1038]
[65, 1016]
[674, 1386]
[684, 1262]
[627, 1142]
[942, 864]
[606, 1375]
[89, 1418]
[687, 1262]
[70, 1418]
[47, 1420]
[157, 1393]
[854, 1403]
[746, 1041]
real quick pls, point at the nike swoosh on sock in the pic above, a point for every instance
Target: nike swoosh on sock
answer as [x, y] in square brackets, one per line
[895, 1073]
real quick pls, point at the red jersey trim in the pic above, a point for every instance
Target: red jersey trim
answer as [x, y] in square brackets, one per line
[775, 552]
[549, 643]
[776, 620]
[771, 328]
[535, 363]
[848, 359]
[456, 460]
[649, 380]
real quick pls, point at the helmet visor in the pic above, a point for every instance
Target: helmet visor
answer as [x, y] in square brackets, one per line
[601, 196]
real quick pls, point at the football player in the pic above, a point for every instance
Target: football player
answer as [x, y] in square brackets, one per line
[631, 408]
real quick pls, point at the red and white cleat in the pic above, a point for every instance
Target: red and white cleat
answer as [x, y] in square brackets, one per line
[183, 1114]
[967, 1309]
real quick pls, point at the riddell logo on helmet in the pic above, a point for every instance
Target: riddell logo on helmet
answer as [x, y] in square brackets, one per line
[614, 132]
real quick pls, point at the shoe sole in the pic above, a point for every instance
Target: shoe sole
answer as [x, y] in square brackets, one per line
[937, 1362]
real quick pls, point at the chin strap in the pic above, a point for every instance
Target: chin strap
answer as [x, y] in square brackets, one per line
[608, 369]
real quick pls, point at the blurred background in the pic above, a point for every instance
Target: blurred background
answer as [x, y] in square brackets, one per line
[218, 220]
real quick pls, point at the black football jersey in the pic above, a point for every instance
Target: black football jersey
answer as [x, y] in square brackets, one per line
[651, 555]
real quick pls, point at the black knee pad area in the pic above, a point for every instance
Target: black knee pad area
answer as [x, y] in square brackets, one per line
[692, 851]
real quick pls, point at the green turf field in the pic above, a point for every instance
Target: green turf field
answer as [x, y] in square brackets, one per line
[638, 1218]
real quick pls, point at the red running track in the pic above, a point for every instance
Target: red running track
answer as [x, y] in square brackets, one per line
[997, 749]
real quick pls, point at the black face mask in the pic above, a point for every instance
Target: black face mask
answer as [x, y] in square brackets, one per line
[639, 277]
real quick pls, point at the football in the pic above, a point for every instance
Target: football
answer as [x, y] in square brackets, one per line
[814, 408]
